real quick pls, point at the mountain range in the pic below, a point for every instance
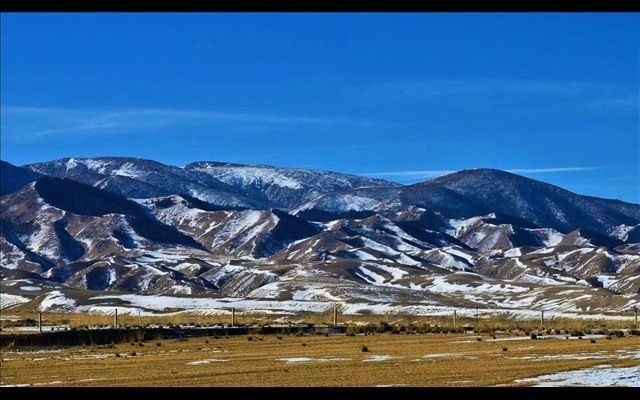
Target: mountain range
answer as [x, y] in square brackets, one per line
[92, 234]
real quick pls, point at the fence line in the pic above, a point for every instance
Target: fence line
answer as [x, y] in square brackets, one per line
[547, 319]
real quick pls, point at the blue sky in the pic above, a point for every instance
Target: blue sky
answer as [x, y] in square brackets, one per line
[404, 97]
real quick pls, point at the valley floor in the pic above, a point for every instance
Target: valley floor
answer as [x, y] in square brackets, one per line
[391, 360]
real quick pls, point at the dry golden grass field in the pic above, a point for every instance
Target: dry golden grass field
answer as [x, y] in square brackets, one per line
[407, 360]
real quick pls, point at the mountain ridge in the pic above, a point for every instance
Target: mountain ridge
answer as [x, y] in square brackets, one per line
[292, 239]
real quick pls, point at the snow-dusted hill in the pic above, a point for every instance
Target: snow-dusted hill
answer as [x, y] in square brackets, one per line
[285, 188]
[83, 234]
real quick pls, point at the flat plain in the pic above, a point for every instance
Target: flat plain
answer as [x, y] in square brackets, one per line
[361, 360]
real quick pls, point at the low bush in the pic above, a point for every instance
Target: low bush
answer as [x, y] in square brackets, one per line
[365, 349]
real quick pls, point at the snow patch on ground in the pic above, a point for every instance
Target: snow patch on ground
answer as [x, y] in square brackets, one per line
[205, 362]
[602, 375]
[379, 358]
[8, 300]
[296, 360]
[56, 299]
[314, 294]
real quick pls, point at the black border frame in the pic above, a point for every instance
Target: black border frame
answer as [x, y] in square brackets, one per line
[331, 393]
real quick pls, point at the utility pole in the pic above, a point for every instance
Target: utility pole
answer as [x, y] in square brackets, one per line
[454, 318]
[40, 320]
[541, 318]
[477, 317]
[115, 319]
[335, 315]
[636, 308]
[388, 316]
[233, 317]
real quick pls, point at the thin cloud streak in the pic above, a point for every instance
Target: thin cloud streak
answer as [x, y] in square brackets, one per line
[410, 174]
[491, 92]
[548, 170]
[423, 174]
[46, 122]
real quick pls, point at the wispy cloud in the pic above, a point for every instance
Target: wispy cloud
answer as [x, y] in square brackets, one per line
[412, 175]
[483, 93]
[33, 123]
[549, 170]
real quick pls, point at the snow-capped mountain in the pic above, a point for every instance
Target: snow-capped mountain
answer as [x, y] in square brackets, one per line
[258, 187]
[137, 178]
[285, 188]
[110, 229]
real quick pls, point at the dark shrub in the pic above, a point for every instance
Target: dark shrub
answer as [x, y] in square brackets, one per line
[534, 336]
[593, 340]
[304, 345]
[504, 349]
[365, 349]
[250, 338]
[133, 354]
[158, 344]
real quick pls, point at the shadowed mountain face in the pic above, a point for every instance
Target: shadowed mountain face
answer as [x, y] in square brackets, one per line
[259, 232]
[13, 178]
[539, 203]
